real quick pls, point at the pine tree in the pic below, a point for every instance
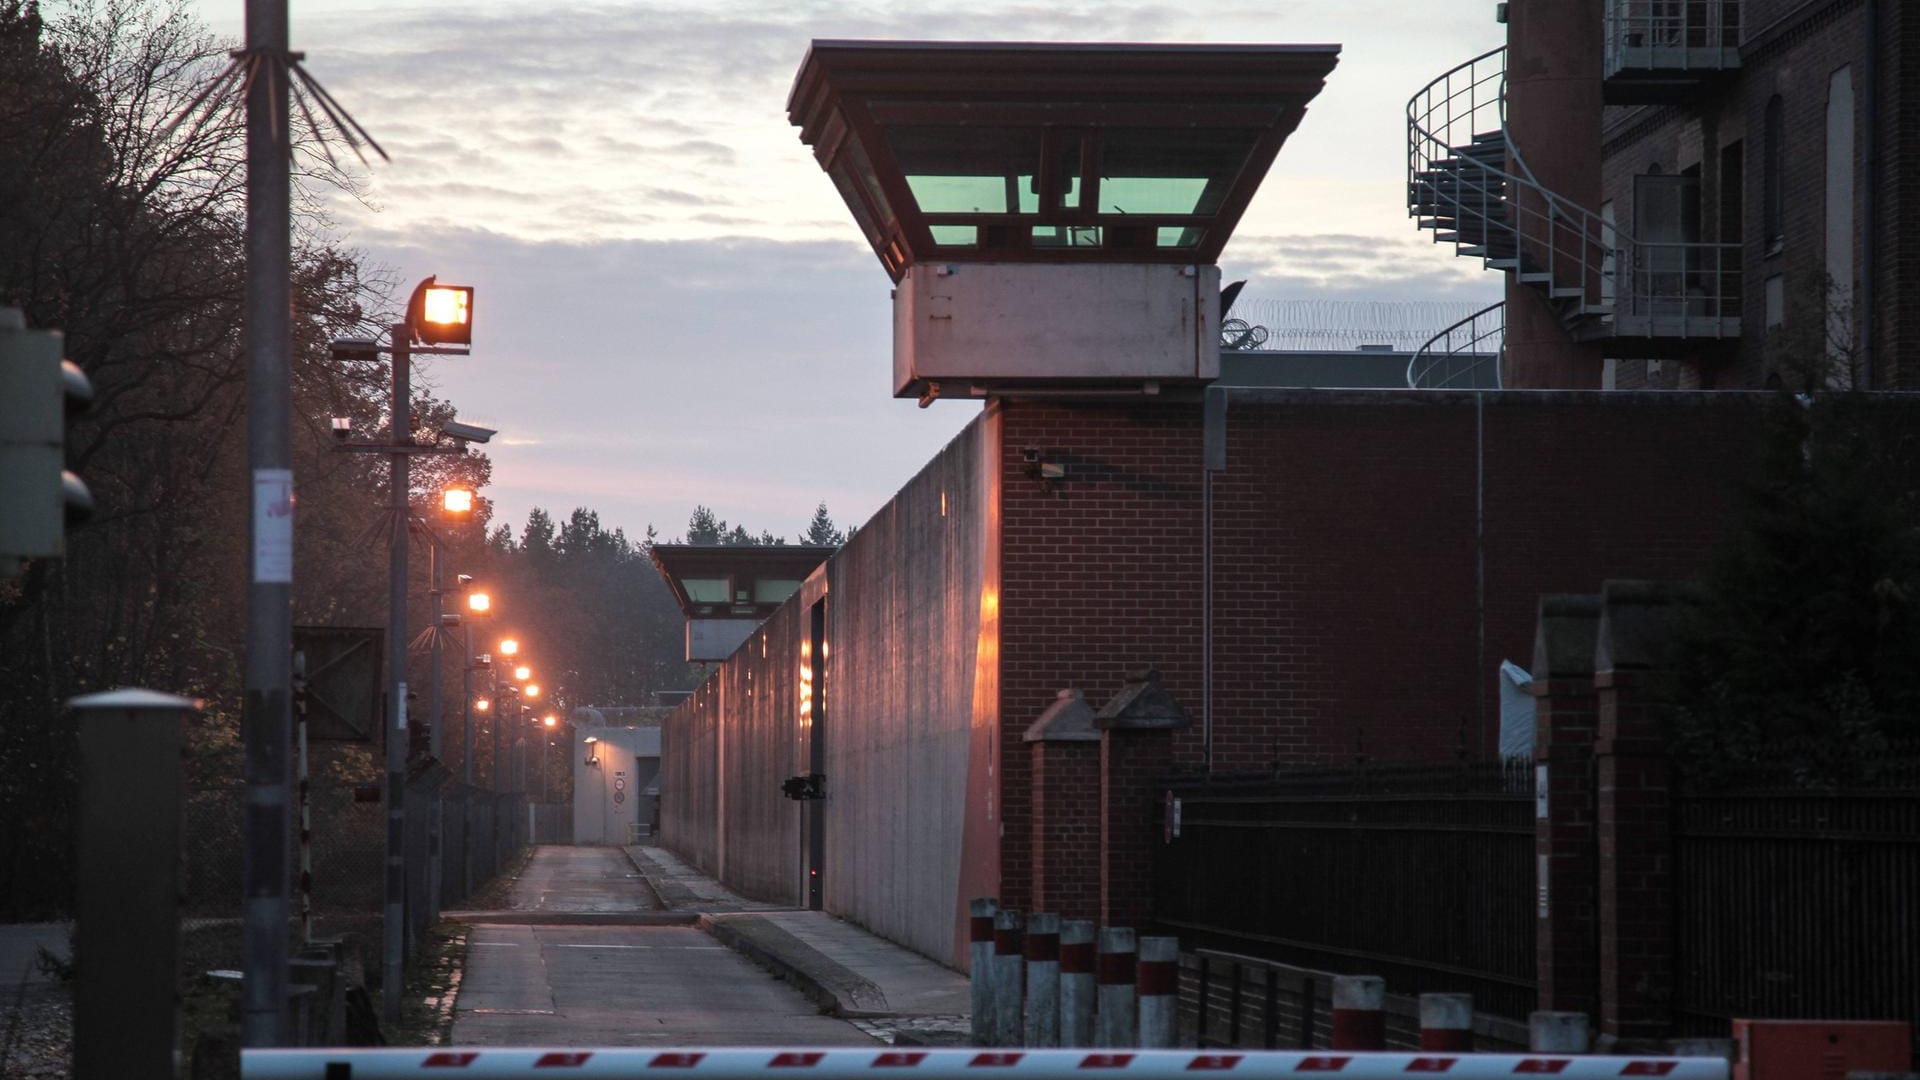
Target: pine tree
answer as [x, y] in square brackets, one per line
[821, 531]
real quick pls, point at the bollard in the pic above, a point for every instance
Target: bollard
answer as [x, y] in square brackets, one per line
[980, 959]
[1043, 981]
[1557, 1033]
[1076, 982]
[1359, 1012]
[1116, 1024]
[124, 1008]
[1446, 1022]
[1009, 976]
[1158, 980]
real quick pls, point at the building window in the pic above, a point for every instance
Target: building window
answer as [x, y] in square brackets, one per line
[1774, 180]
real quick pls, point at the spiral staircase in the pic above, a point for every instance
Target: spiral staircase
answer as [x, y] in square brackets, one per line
[1468, 184]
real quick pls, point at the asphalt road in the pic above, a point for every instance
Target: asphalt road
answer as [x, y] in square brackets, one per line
[604, 985]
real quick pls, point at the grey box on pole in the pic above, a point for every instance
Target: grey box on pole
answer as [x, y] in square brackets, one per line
[127, 935]
[1117, 1024]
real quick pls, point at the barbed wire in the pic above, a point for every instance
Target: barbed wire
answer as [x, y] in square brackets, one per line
[1348, 324]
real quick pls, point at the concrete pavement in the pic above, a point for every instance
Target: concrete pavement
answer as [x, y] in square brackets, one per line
[888, 990]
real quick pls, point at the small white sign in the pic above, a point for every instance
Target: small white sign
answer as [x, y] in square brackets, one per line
[403, 706]
[273, 526]
[1540, 792]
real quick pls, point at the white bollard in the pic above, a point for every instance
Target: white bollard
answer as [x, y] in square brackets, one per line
[1043, 981]
[1009, 976]
[980, 961]
[1446, 1022]
[1359, 1012]
[1158, 981]
[1558, 1033]
[1076, 982]
[1117, 1023]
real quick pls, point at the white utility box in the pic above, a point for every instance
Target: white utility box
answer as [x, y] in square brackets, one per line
[976, 328]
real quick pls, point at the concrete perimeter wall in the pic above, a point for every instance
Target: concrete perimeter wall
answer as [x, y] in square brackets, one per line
[905, 700]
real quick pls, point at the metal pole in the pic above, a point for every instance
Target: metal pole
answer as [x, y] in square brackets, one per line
[393, 962]
[466, 757]
[435, 722]
[267, 705]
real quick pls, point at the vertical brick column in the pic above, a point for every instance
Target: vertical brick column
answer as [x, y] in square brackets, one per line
[1136, 749]
[1634, 829]
[1064, 807]
[1566, 718]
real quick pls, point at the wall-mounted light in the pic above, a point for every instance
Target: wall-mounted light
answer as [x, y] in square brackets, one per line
[592, 758]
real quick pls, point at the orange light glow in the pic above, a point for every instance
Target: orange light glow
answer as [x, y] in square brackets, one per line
[533, 690]
[508, 647]
[446, 305]
[457, 501]
[482, 705]
[479, 603]
[523, 673]
[550, 720]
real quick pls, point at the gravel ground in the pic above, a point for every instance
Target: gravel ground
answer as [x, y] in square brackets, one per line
[36, 1036]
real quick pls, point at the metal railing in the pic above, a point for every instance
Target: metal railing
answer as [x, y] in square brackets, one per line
[1464, 356]
[1469, 183]
[1677, 290]
[1671, 35]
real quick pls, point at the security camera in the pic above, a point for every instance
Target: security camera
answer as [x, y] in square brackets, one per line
[467, 432]
[1031, 454]
[355, 348]
[343, 428]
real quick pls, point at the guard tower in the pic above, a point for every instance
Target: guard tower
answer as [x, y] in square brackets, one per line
[1051, 214]
[726, 590]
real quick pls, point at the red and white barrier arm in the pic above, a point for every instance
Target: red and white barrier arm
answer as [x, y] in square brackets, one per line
[775, 1064]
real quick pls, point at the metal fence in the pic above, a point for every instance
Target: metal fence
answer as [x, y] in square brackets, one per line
[1422, 875]
[481, 831]
[1791, 901]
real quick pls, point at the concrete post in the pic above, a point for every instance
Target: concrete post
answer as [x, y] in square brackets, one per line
[1076, 982]
[1158, 982]
[1558, 1033]
[124, 1013]
[1009, 975]
[1117, 1024]
[980, 913]
[1446, 1022]
[1043, 981]
[1359, 1012]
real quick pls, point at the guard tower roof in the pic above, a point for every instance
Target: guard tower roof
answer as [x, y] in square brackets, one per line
[1010, 152]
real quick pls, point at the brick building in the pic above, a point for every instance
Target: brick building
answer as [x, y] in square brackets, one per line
[1687, 193]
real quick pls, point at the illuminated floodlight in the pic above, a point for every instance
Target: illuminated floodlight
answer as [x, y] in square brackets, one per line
[457, 501]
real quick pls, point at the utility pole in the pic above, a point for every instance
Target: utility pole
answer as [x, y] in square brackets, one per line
[466, 753]
[266, 712]
[400, 432]
[435, 719]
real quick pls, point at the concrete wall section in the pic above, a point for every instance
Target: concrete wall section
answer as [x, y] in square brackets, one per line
[908, 689]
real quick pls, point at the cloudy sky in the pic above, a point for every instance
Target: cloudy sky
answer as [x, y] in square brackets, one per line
[675, 308]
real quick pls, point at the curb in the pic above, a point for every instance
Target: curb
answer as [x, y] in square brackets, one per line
[838, 991]
[572, 918]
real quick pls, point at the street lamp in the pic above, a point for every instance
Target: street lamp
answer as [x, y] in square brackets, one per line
[440, 318]
[479, 603]
[509, 647]
[522, 673]
[457, 501]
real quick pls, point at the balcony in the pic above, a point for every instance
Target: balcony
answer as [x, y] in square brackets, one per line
[1671, 299]
[1660, 51]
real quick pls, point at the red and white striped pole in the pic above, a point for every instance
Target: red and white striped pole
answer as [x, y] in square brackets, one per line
[1043, 980]
[980, 915]
[886, 1063]
[1009, 976]
[1359, 1012]
[1076, 982]
[1158, 980]
[1446, 1022]
[1117, 1024]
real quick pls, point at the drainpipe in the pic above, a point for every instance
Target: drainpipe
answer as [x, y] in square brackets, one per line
[1870, 203]
[1214, 440]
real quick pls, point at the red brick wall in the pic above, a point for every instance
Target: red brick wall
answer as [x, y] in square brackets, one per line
[1066, 828]
[1345, 601]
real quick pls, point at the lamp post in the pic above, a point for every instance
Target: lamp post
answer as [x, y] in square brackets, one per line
[439, 317]
[479, 605]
